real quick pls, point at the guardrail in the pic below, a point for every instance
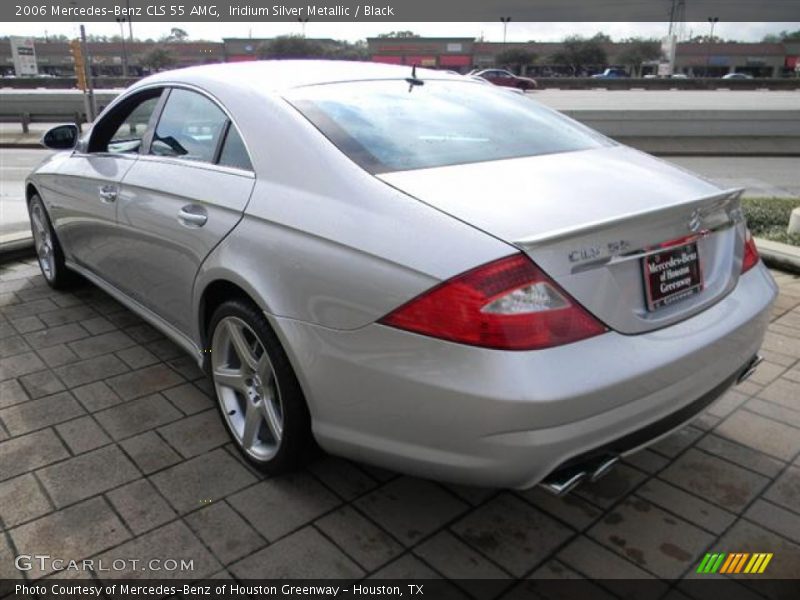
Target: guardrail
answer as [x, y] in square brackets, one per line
[64, 83]
[48, 106]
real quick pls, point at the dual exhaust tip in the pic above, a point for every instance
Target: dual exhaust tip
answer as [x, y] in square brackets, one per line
[564, 480]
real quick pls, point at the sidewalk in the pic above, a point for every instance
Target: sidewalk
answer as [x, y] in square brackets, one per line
[111, 447]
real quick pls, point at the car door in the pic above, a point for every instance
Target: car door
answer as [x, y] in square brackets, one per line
[179, 200]
[490, 76]
[83, 199]
[505, 79]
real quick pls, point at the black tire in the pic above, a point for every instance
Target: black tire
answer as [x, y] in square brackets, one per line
[51, 261]
[297, 445]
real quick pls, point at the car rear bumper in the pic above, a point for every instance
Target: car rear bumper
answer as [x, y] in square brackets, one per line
[496, 418]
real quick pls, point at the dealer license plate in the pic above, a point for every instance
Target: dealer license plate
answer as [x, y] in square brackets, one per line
[671, 275]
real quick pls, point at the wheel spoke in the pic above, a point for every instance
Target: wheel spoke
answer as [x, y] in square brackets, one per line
[232, 378]
[264, 368]
[252, 423]
[241, 347]
[37, 222]
[272, 418]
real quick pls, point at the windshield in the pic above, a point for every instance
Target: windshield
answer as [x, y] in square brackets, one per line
[387, 126]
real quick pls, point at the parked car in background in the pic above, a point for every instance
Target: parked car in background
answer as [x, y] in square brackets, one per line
[483, 81]
[423, 273]
[737, 76]
[612, 73]
[505, 78]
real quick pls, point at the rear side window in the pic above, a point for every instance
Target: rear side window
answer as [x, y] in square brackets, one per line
[190, 127]
[234, 153]
[389, 126]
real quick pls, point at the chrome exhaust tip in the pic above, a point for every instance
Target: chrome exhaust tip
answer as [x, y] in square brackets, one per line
[560, 486]
[750, 368]
[604, 468]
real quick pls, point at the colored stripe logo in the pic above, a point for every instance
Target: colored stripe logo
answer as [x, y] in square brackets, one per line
[734, 562]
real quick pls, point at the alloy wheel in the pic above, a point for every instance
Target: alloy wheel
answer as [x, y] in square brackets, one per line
[247, 388]
[43, 241]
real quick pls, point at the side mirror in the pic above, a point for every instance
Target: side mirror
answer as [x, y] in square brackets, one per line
[61, 137]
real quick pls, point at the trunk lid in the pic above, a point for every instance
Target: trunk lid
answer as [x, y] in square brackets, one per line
[590, 219]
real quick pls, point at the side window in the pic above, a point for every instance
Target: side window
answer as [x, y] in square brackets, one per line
[190, 127]
[121, 131]
[234, 154]
[128, 136]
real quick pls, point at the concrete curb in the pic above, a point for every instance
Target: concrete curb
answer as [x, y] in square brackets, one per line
[780, 256]
[24, 145]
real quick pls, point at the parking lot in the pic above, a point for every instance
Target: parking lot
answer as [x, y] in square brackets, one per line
[111, 448]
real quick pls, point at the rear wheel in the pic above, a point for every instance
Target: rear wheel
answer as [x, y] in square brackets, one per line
[48, 249]
[258, 394]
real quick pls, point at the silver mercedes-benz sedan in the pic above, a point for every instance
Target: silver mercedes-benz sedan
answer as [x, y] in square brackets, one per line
[408, 268]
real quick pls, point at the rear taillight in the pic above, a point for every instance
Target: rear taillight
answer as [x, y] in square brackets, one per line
[508, 304]
[750, 252]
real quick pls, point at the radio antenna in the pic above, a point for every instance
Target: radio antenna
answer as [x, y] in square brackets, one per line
[413, 80]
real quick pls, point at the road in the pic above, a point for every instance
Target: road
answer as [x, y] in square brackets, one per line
[761, 176]
[15, 164]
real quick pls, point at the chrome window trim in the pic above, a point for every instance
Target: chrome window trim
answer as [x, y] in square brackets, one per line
[197, 164]
[167, 85]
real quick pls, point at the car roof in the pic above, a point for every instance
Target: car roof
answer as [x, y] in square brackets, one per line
[279, 75]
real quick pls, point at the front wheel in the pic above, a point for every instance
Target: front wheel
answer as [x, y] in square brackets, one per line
[258, 394]
[48, 249]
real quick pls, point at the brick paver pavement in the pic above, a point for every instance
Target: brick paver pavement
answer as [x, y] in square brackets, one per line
[110, 447]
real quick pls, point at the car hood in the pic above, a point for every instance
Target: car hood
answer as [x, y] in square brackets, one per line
[541, 196]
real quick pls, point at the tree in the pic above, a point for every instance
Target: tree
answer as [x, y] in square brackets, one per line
[349, 51]
[637, 51]
[707, 39]
[515, 58]
[783, 36]
[176, 34]
[399, 34]
[290, 46]
[158, 59]
[578, 52]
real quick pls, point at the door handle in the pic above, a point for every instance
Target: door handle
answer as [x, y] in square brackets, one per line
[108, 193]
[192, 215]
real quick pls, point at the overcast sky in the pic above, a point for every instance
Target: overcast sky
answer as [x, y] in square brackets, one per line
[493, 32]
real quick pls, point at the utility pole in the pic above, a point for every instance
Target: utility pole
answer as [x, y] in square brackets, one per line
[712, 21]
[121, 21]
[505, 21]
[130, 22]
[91, 105]
[677, 16]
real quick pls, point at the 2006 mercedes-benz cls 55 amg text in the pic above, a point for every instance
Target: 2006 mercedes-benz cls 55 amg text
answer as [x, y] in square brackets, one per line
[408, 268]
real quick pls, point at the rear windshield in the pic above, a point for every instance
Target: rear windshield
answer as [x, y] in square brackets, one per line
[387, 126]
